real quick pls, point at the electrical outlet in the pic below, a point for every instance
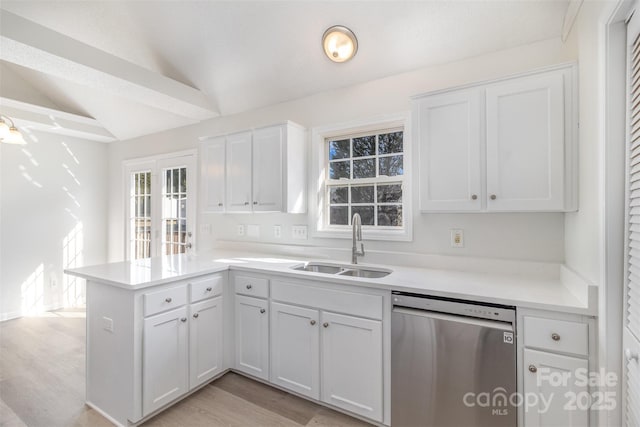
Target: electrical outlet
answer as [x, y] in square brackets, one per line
[457, 238]
[240, 230]
[253, 231]
[299, 232]
[277, 231]
[107, 324]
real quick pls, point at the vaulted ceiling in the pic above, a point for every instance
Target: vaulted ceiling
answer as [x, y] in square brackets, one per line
[139, 67]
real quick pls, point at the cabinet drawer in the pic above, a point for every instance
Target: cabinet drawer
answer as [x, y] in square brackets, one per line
[556, 335]
[254, 286]
[206, 287]
[357, 304]
[165, 299]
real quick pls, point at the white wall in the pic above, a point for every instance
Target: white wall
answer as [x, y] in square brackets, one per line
[538, 237]
[53, 208]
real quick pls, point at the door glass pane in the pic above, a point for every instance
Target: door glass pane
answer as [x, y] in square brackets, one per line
[140, 218]
[174, 211]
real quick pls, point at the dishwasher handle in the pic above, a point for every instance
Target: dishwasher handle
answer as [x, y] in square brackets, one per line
[492, 324]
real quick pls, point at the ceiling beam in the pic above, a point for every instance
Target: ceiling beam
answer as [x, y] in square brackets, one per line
[30, 116]
[34, 46]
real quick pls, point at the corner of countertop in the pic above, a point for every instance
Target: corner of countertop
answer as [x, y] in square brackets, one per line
[584, 290]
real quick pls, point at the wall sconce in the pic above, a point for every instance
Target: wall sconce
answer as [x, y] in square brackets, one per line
[339, 43]
[9, 134]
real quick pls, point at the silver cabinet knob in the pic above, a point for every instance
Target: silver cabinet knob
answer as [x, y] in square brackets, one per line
[184, 319]
[209, 289]
[474, 197]
[255, 203]
[262, 311]
[220, 204]
[168, 299]
[533, 369]
[493, 197]
[555, 337]
[313, 322]
[325, 324]
[246, 203]
[249, 286]
[195, 315]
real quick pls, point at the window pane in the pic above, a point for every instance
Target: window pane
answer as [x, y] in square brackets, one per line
[339, 194]
[364, 168]
[390, 143]
[364, 146]
[339, 149]
[183, 180]
[175, 176]
[339, 170]
[391, 166]
[390, 216]
[362, 194]
[366, 214]
[389, 193]
[339, 215]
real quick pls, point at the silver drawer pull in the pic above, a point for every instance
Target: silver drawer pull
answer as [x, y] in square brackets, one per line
[255, 203]
[220, 204]
[246, 203]
[262, 310]
[209, 289]
[313, 322]
[195, 315]
[184, 319]
[249, 286]
[168, 299]
[533, 369]
[325, 324]
[555, 337]
[474, 197]
[493, 197]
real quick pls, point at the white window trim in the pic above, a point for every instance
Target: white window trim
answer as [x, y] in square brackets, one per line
[317, 186]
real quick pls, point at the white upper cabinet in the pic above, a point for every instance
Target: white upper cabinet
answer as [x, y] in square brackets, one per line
[505, 146]
[262, 170]
[238, 172]
[212, 168]
[448, 127]
[525, 144]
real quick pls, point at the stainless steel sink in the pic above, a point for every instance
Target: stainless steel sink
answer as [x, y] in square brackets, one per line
[342, 270]
[316, 267]
[366, 273]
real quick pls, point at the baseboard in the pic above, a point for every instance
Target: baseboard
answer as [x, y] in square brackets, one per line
[10, 315]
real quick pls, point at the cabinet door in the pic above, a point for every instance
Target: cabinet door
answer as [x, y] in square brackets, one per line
[252, 336]
[165, 363]
[295, 349]
[448, 128]
[525, 144]
[205, 341]
[351, 364]
[238, 183]
[268, 146]
[567, 401]
[212, 171]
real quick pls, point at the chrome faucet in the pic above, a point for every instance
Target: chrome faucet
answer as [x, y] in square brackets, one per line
[357, 237]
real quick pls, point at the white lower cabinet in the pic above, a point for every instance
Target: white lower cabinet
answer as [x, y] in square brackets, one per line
[552, 378]
[252, 336]
[165, 363]
[205, 341]
[352, 364]
[313, 350]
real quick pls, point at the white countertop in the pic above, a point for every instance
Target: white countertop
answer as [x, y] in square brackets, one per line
[558, 294]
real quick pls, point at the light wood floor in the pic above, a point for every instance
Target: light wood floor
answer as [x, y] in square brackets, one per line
[42, 385]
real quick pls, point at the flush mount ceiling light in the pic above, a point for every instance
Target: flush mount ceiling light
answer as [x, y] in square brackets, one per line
[339, 43]
[9, 134]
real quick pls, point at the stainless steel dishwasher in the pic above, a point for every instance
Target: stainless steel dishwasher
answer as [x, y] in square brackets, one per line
[453, 363]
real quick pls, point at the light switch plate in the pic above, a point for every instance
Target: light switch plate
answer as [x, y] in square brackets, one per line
[107, 324]
[277, 231]
[299, 232]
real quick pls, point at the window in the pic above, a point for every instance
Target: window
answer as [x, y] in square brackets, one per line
[365, 175]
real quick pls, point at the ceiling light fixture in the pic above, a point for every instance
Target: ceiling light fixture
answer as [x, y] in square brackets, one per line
[9, 134]
[339, 43]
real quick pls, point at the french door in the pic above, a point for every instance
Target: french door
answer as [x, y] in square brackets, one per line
[161, 206]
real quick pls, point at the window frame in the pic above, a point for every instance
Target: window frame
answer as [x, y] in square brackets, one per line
[319, 193]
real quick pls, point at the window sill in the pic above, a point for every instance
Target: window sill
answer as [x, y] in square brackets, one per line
[403, 235]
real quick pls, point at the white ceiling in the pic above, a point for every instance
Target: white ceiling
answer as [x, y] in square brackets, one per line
[243, 55]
